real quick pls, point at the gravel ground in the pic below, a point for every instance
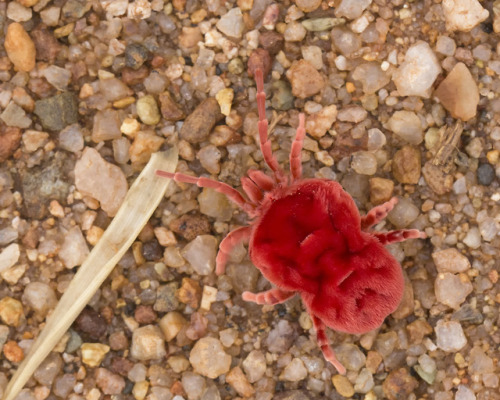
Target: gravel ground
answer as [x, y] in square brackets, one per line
[401, 99]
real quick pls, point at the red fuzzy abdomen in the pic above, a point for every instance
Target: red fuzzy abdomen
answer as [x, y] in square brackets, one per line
[309, 240]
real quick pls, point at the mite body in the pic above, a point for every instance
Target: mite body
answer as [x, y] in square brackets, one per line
[307, 237]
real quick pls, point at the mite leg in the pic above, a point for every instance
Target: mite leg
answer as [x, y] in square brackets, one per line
[264, 182]
[271, 297]
[398, 236]
[231, 193]
[325, 347]
[265, 143]
[228, 243]
[295, 152]
[253, 192]
[377, 214]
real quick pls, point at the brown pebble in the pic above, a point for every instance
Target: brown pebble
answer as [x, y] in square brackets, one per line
[10, 139]
[13, 352]
[259, 59]
[197, 327]
[399, 384]
[134, 77]
[118, 341]
[19, 47]
[190, 226]
[238, 380]
[189, 293]
[121, 366]
[177, 389]
[417, 330]
[92, 323]
[200, 122]
[179, 4]
[31, 238]
[271, 41]
[47, 46]
[190, 37]
[407, 165]
[373, 360]
[145, 314]
[170, 110]
[380, 190]
[305, 79]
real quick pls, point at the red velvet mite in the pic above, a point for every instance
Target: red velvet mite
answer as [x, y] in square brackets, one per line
[306, 236]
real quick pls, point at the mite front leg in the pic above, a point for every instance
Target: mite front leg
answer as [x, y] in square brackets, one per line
[228, 244]
[324, 345]
[377, 214]
[270, 297]
[398, 236]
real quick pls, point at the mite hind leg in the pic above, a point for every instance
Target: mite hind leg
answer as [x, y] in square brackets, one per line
[399, 236]
[270, 297]
[232, 239]
[328, 352]
[377, 214]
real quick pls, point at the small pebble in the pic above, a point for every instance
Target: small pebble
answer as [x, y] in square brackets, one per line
[200, 253]
[148, 343]
[451, 289]
[239, 382]
[295, 371]
[109, 383]
[189, 293]
[381, 190]
[200, 122]
[305, 79]
[171, 324]
[445, 45]
[343, 385]
[371, 76]
[209, 359]
[463, 15]
[9, 256]
[193, 384]
[352, 9]
[40, 297]
[485, 174]
[95, 177]
[136, 55]
[165, 298]
[417, 74]
[318, 124]
[93, 353]
[58, 111]
[450, 260]
[450, 336]
[458, 93]
[147, 110]
[464, 393]
[19, 47]
[352, 113]
[254, 365]
[13, 352]
[15, 116]
[11, 311]
[399, 384]
[106, 126]
[407, 126]
[364, 163]
[144, 145]
[407, 165]
[74, 249]
[231, 24]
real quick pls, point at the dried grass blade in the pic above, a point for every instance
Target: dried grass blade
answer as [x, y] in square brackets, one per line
[139, 204]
